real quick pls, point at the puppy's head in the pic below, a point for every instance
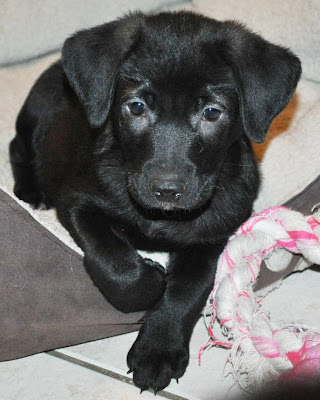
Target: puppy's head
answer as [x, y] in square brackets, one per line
[181, 90]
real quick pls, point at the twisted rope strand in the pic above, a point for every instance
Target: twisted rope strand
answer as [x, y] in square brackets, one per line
[259, 351]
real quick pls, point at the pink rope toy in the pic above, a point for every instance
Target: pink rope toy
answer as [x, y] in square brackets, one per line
[259, 351]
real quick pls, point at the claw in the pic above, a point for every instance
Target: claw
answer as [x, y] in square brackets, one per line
[130, 370]
[155, 391]
[177, 380]
[143, 389]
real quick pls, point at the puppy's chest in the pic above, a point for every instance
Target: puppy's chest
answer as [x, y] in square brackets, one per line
[171, 233]
[158, 230]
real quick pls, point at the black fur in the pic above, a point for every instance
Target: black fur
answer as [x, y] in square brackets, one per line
[139, 138]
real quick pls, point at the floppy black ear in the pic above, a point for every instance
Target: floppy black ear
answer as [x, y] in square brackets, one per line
[267, 76]
[91, 59]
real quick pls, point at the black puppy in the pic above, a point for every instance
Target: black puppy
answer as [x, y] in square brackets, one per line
[139, 138]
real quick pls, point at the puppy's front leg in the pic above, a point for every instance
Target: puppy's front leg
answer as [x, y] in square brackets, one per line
[161, 351]
[130, 282]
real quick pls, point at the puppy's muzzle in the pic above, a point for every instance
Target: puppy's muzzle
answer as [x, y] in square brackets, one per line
[167, 189]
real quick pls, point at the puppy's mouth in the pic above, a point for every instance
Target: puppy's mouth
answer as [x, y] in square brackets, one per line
[154, 204]
[172, 197]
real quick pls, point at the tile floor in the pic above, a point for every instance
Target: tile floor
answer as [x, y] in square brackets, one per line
[97, 370]
[46, 377]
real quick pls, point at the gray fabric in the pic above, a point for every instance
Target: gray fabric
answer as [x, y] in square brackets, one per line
[307, 199]
[302, 202]
[47, 298]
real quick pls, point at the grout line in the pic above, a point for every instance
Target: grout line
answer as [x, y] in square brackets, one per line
[112, 374]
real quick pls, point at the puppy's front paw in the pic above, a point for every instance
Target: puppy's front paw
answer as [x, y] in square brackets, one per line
[140, 288]
[151, 285]
[155, 360]
[155, 264]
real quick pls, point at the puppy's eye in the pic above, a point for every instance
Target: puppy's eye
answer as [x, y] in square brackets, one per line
[211, 114]
[137, 108]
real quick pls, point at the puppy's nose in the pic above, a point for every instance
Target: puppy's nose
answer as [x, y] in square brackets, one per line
[167, 190]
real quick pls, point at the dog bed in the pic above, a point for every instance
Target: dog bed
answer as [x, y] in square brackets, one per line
[40, 253]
